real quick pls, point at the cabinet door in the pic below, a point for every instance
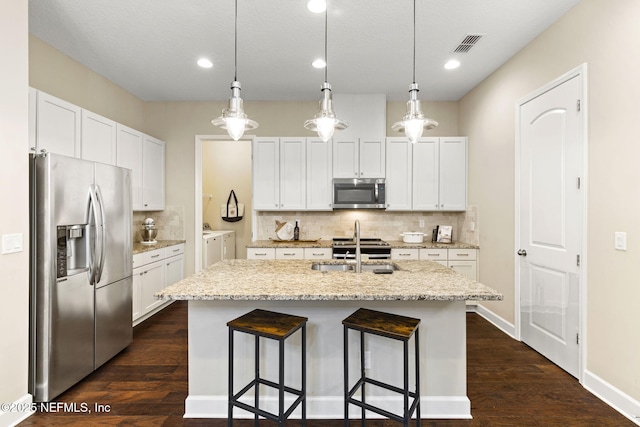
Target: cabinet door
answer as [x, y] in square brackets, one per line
[98, 138]
[152, 174]
[468, 268]
[266, 173]
[453, 174]
[319, 174]
[129, 155]
[372, 158]
[261, 253]
[426, 163]
[404, 254]
[174, 270]
[57, 125]
[152, 282]
[293, 166]
[399, 174]
[229, 246]
[345, 158]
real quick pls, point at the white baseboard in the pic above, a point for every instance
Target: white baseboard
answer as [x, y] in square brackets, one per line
[497, 321]
[612, 396]
[332, 407]
[16, 414]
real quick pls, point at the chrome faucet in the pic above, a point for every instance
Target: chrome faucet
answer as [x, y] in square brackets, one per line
[356, 236]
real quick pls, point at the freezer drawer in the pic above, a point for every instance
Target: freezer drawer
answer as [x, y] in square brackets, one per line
[113, 319]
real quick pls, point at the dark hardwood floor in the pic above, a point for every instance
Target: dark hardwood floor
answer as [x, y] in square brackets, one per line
[508, 384]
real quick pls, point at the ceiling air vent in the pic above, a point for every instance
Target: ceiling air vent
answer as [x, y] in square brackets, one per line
[467, 43]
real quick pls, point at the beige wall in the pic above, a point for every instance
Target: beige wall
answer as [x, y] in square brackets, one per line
[14, 193]
[606, 36]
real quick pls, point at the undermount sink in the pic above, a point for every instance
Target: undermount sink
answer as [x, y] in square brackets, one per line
[352, 267]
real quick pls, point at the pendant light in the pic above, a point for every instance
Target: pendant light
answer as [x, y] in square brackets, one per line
[233, 118]
[325, 121]
[414, 122]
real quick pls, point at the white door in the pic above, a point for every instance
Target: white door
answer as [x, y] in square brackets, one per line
[550, 222]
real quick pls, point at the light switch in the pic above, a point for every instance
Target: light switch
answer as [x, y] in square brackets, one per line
[621, 240]
[11, 243]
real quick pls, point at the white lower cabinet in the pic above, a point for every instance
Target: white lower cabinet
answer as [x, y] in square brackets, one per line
[437, 255]
[318, 253]
[289, 253]
[405, 253]
[154, 270]
[463, 261]
[261, 253]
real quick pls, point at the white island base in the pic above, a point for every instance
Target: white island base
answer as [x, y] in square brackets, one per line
[443, 364]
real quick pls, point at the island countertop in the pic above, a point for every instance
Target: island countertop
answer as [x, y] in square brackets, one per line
[241, 279]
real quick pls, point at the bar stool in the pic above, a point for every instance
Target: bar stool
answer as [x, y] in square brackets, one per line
[275, 326]
[390, 326]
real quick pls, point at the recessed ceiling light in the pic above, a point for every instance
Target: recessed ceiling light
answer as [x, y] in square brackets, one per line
[205, 63]
[317, 6]
[452, 64]
[319, 63]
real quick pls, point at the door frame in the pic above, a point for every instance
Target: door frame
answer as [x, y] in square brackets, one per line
[197, 223]
[579, 72]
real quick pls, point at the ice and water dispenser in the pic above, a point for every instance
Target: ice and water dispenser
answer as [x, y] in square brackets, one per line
[72, 255]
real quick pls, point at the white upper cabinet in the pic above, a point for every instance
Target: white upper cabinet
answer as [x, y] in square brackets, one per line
[129, 155]
[266, 173]
[57, 125]
[98, 138]
[453, 174]
[279, 173]
[152, 173]
[429, 175]
[358, 158]
[399, 174]
[145, 156]
[319, 173]
[426, 170]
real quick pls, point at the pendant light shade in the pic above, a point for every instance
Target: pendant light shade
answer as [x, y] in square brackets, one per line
[233, 118]
[414, 122]
[325, 122]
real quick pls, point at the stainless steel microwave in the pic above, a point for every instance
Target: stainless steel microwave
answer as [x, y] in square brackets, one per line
[359, 193]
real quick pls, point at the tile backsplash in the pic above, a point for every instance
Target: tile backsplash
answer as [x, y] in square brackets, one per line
[169, 222]
[382, 224]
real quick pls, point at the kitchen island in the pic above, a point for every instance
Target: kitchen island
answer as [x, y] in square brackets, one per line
[422, 289]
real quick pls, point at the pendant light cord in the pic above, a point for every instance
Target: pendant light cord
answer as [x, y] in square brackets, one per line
[326, 62]
[235, 47]
[414, 41]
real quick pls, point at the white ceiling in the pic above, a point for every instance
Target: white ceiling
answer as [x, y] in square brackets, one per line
[150, 47]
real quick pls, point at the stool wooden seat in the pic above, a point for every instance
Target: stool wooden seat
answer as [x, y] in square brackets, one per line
[275, 326]
[392, 326]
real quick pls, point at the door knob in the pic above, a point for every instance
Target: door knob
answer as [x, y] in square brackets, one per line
[522, 252]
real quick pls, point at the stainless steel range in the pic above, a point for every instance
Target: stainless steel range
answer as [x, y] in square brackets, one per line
[345, 248]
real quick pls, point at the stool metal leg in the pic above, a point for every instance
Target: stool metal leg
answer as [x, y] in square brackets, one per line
[281, 385]
[416, 342]
[256, 395]
[405, 350]
[230, 383]
[304, 375]
[345, 369]
[362, 376]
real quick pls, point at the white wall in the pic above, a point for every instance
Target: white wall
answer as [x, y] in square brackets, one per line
[605, 34]
[14, 192]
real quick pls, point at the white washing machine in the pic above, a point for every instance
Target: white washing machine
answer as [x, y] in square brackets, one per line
[216, 246]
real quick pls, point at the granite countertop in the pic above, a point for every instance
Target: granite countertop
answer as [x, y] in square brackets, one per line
[241, 279]
[320, 243]
[326, 243]
[139, 248]
[399, 244]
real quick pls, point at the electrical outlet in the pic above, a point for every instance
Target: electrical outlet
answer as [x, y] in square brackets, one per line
[620, 240]
[11, 243]
[367, 360]
[472, 226]
[421, 223]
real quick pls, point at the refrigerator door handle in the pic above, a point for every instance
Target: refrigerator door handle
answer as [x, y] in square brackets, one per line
[103, 229]
[93, 224]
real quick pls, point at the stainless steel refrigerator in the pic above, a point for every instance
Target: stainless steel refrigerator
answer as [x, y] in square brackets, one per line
[81, 268]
